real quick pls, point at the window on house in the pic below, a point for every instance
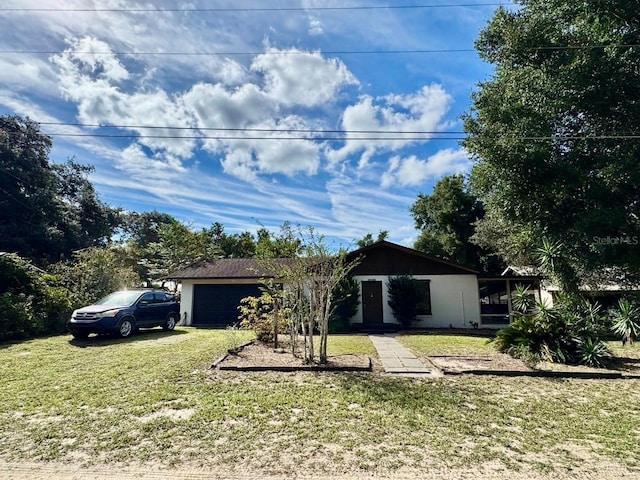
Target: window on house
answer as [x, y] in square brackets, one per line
[494, 297]
[424, 304]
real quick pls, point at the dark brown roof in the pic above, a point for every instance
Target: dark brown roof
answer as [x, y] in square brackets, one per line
[225, 268]
[386, 258]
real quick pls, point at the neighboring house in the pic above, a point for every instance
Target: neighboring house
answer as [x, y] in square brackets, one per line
[453, 295]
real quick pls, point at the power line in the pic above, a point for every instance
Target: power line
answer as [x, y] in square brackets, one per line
[238, 137]
[315, 134]
[253, 9]
[306, 52]
[381, 136]
[243, 129]
[268, 52]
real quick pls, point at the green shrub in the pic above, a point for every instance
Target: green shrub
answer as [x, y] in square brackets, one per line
[568, 333]
[31, 301]
[345, 298]
[404, 297]
[594, 353]
[626, 321]
[93, 273]
[256, 313]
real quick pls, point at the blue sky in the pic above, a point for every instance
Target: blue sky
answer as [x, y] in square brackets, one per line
[247, 92]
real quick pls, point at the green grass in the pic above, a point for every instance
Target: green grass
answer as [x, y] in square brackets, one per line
[437, 344]
[152, 399]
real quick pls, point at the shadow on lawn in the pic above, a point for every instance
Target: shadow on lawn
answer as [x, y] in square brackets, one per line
[106, 340]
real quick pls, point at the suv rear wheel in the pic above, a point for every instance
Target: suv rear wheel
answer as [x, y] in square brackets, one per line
[170, 324]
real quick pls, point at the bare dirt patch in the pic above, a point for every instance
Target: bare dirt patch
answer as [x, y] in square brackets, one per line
[261, 356]
[462, 363]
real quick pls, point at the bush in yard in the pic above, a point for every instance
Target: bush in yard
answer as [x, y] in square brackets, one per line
[404, 296]
[569, 333]
[626, 321]
[95, 272]
[345, 297]
[256, 313]
[31, 301]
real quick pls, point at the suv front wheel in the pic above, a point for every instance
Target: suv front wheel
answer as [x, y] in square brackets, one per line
[125, 329]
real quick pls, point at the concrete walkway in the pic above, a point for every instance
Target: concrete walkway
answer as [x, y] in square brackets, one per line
[396, 358]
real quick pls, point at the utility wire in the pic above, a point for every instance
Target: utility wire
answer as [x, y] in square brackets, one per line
[268, 52]
[314, 134]
[270, 130]
[254, 9]
[306, 52]
[336, 138]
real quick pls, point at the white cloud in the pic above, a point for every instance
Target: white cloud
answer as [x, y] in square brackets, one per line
[246, 158]
[399, 115]
[87, 80]
[159, 167]
[232, 73]
[412, 171]
[296, 77]
[315, 27]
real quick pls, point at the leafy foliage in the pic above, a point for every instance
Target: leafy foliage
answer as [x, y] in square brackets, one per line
[570, 332]
[32, 302]
[94, 273]
[46, 210]
[594, 353]
[369, 240]
[404, 297]
[310, 280]
[447, 219]
[626, 321]
[547, 132]
[257, 314]
[345, 299]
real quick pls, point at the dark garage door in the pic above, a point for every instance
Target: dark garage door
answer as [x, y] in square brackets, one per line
[217, 305]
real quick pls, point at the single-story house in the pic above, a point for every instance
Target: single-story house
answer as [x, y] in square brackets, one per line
[453, 295]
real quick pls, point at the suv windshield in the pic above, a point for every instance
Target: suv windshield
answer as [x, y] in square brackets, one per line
[119, 298]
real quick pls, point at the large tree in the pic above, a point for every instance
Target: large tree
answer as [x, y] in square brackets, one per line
[446, 220]
[554, 132]
[46, 210]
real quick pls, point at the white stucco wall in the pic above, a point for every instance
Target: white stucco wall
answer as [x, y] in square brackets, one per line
[454, 301]
[186, 298]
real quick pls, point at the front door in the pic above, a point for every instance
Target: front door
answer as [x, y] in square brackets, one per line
[372, 303]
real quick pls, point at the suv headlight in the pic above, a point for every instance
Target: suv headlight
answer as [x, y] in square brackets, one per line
[108, 313]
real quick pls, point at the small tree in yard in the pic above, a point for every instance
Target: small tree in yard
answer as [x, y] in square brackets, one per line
[309, 281]
[404, 296]
[257, 314]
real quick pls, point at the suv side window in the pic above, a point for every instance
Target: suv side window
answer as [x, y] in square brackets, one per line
[160, 297]
[148, 297]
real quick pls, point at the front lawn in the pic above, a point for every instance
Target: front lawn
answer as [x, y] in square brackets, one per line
[151, 400]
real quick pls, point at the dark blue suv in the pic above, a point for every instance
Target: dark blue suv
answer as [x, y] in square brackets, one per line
[125, 312]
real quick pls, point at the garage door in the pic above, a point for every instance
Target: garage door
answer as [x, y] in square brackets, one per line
[217, 305]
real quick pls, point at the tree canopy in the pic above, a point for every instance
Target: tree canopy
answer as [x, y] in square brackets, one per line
[554, 132]
[46, 210]
[446, 220]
